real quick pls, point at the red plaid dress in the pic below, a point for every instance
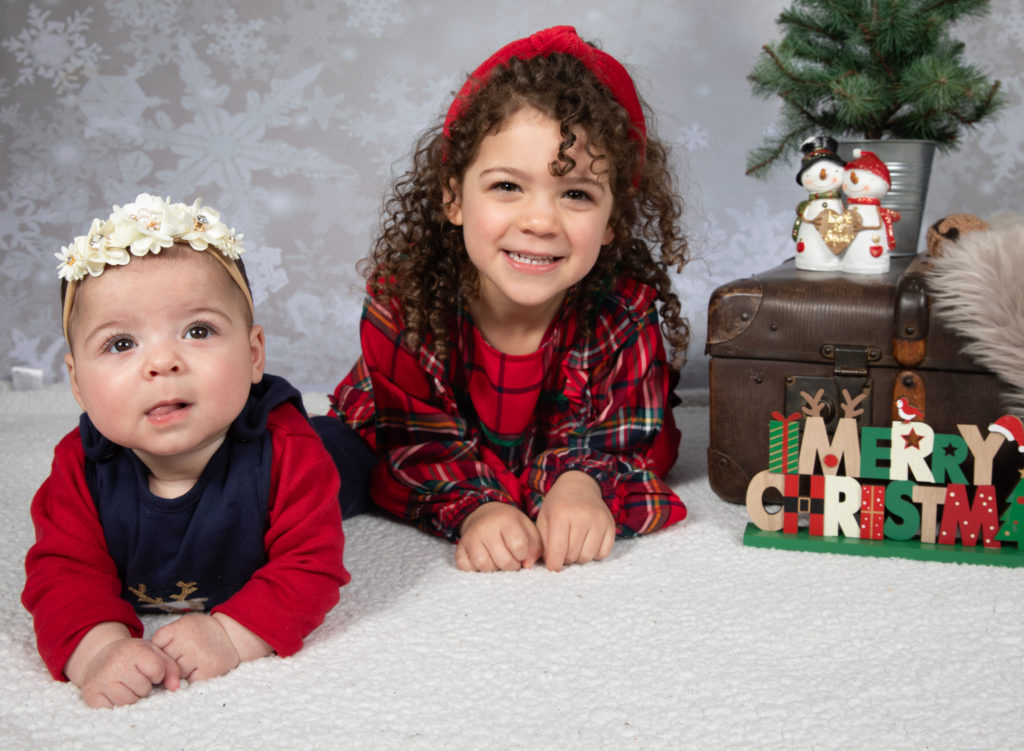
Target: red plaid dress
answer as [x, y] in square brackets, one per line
[488, 426]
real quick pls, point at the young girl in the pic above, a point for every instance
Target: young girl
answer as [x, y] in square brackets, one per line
[514, 383]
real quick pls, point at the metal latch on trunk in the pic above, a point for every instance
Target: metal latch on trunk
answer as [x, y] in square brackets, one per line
[850, 360]
[848, 385]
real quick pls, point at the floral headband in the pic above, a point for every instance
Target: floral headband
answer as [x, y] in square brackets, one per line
[564, 39]
[148, 225]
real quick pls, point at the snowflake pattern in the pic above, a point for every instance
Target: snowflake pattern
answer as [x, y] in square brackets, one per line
[694, 136]
[293, 118]
[242, 47]
[314, 30]
[375, 18]
[147, 23]
[54, 50]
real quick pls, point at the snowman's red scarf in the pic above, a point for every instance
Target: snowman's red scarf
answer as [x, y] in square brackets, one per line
[888, 216]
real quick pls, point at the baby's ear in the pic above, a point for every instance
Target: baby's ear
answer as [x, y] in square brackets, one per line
[258, 352]
[69, 361]
[453, 202]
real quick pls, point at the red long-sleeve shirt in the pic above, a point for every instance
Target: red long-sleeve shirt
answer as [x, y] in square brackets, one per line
[72, 583]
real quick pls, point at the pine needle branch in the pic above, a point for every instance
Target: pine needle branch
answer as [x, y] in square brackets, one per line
[868, 68]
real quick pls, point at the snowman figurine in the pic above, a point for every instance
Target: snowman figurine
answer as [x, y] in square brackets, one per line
[821, 175]
[865, 183]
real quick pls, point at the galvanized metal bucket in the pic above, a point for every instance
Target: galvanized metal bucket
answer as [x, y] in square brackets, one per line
[910, 167]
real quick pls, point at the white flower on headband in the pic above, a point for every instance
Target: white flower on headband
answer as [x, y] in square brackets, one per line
[147, 225]
[91, 253]
[207, 229]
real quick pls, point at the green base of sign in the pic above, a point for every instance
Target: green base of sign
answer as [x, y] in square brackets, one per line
[1009, 555]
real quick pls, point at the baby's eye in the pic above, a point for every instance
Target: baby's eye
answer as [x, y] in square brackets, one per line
[119, 344]
[198, 331]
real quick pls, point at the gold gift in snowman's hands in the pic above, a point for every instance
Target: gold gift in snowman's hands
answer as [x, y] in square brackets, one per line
[838, 230]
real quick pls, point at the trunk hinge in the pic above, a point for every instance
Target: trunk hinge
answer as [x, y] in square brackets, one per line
[849, 361]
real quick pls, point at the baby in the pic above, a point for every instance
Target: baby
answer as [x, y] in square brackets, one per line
[194, 483]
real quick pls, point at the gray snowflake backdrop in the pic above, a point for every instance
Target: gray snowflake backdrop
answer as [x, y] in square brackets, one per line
[290, 118]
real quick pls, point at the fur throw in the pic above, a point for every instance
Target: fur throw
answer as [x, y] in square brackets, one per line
[977, 288]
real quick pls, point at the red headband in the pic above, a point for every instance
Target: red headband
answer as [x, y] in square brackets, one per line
[608, 70]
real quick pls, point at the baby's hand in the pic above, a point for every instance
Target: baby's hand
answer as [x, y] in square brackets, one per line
[574, 522]
[497, 536]
[113, 668]
[199, 645]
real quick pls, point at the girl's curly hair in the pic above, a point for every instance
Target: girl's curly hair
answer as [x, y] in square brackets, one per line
[419, 259]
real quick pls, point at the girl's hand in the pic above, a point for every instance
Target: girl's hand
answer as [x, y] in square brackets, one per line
[113, 668]
[574, 522]
[497, 536]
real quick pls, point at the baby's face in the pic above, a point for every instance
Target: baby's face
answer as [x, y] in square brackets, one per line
[163, 355]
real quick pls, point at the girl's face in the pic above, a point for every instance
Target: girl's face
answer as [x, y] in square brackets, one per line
[531, 235]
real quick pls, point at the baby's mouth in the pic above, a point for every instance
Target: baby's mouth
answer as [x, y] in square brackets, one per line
[163, 409]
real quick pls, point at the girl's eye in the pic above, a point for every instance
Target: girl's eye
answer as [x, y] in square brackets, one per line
[506, 187]
[198, 331]
[577, 195]
[119, 344]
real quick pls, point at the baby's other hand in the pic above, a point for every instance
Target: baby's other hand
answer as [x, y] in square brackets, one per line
[497, 536]
[574, 522]
[199, 645]
[113, 668]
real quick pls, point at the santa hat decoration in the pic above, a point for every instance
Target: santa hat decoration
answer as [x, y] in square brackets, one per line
[867, 161]
[1010, 427]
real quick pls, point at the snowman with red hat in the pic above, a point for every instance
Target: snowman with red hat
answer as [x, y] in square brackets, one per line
[865, 182]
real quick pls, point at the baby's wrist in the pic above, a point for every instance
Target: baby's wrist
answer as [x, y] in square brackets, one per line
[95, 641]
[247, 645]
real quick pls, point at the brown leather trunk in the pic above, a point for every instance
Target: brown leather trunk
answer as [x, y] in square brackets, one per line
[774, 335]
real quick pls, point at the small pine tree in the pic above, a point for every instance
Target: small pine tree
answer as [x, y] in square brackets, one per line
[1012, 528]
[870, 69]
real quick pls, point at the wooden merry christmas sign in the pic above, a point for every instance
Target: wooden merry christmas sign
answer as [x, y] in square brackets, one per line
[895, 490]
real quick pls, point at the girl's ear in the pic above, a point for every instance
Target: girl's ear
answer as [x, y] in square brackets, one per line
[453, 202]
[609, 234]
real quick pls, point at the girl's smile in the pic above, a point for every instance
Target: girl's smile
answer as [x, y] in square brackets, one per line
[540, 263]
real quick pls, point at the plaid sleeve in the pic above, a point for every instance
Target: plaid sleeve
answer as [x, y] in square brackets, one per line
[432, 468]
[352, 401]
[626, 439]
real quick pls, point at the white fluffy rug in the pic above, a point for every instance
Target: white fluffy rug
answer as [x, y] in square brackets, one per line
[685, 639]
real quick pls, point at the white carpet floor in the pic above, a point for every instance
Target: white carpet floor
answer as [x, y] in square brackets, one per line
[685, 639]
